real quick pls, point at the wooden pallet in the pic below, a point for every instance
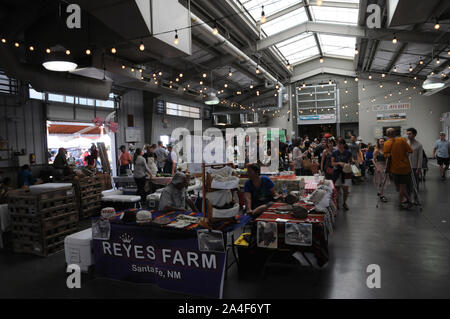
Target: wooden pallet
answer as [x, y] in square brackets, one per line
[34, 244]
[88, 192]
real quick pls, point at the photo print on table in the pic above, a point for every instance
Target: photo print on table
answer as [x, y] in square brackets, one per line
[298, 234]
[267, 235]
[210, 240]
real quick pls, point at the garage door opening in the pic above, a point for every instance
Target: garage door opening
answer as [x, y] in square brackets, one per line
[77, 138]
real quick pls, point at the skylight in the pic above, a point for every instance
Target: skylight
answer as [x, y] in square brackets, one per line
[290, 13]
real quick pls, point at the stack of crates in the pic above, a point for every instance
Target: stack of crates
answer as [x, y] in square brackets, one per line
[41, 219]
[88, 191]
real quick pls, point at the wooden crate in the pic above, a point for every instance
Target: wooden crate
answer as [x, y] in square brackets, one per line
[88, 192]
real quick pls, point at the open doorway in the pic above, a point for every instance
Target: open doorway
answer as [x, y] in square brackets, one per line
[77, 138]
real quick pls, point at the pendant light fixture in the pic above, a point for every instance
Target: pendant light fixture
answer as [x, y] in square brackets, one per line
[263, 16]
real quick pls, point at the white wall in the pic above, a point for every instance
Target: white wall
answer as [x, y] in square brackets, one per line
[131, 103]
[424, 114]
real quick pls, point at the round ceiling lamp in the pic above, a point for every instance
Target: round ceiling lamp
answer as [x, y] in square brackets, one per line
[212, 99]
[432, 83]
[59, 62]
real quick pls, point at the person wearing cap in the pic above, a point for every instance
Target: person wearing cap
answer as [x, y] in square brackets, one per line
[173, 196]
[441, 152]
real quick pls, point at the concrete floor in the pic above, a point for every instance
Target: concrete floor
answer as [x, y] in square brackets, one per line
[411, 247]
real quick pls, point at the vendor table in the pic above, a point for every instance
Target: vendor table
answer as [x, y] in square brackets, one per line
[292, 182]
[167, 256]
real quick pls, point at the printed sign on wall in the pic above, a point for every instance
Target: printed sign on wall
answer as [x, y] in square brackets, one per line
[391, 107]
[391, 117]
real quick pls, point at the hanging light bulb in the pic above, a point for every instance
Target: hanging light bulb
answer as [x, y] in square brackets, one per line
[304, 84]
[48, 51]
[16, 44]
[438, 61]
[381, 85]
[204, 75]
[201, 82]
[225, 85]
[113, 50]
[356, 79]
[319, 2]
[356, 51]
[230, 74]
[123, 67]
[31, 48]
[263, 15]
[398, 82]
[410, 68]
[321, 60]
[257, 69]
[132, 69]
[363, 88]
[370, 76]
[142, 46]
[159, 73]
[67, 52]
[180, 75]
[345, 80]
[330, 82]
[437, 25]
[383, 75]
[3, 40]
[288, 65]
[395, 68]
[175, 40]
[88, 52]
[215, 30]
[251, 86]
[394, 39]
[420, 61]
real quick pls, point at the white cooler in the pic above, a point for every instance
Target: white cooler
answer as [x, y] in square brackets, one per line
[78, 249]
[153, 200]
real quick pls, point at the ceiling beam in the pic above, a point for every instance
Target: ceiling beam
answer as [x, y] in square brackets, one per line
[353, 31]
[396, 57]
[281, 13]
[310, 18]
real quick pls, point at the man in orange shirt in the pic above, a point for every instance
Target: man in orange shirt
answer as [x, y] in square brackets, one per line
[398, 149]
[124, 160]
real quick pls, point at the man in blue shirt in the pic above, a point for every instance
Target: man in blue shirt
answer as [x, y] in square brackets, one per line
[25, 176]
[441, 153]
[259, 191]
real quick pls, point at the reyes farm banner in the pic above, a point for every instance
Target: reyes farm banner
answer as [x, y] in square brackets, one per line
[169, 259]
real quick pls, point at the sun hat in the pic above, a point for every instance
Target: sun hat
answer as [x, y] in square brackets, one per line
[143, 216]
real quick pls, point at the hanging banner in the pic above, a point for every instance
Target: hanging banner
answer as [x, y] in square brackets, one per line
[391, 117]
[169, 259]
[391, 107]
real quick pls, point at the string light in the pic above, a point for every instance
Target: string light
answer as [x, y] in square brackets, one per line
[3, 40]
[201, 82]
[67, 52]
[304, 84]
[251, 86]
[16, 44]
[288, 65]
[142, 46]
[395, 68]
[230, 74]
[225, 85]
[363, 88]
[438, 61]
[123, 67]
[88, 52]
[132, 69]
[345, 80]
[394, 39]
[175, 40]
[356, 50]
[31, 48]
[329, 82]
[356, 79]
[410, 68]
[370, 76]
[420, 61]
[215, 30]
[437, 25]
[257, 69]
[160, 73]
[263, 15]
[319, 2]
[321, 60]
[383, 75]
[48, 51]
[180, 75]
[204, 75]
[398, 82]
[113, 50]
[381, 85]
